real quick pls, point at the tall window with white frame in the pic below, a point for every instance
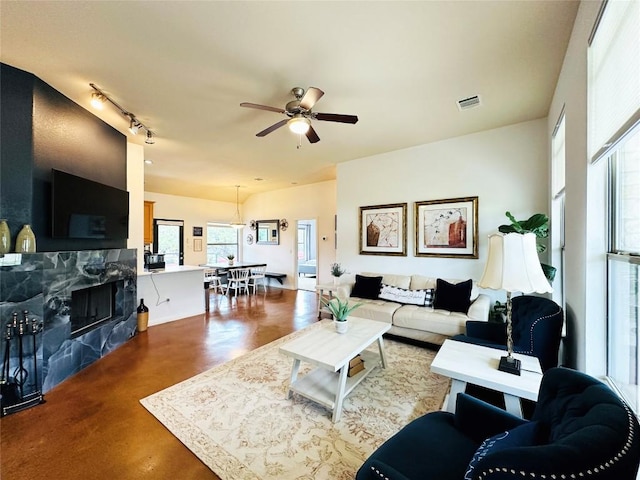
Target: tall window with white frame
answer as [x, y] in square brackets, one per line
[623, 266]
[557, 207]
[614, 137]
[222, 240]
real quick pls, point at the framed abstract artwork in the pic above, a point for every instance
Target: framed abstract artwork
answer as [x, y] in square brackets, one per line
[447, 228]
[383, 230]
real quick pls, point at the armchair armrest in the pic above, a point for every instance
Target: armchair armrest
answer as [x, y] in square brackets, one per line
[480, 307]
[488, 331]
[479, 420]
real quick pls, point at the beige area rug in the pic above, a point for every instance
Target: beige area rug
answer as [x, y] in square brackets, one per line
[237, 420]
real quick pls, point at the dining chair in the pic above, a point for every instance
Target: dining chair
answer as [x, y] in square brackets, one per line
[238, 280]
[257, 275]
[215, 281]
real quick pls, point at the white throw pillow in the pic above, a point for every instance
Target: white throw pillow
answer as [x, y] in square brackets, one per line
[405, 296]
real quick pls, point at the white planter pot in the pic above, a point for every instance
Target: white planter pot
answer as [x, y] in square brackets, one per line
[341, 327]
[336, 281]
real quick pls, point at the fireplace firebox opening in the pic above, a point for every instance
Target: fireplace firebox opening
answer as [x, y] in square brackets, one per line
[91, 307]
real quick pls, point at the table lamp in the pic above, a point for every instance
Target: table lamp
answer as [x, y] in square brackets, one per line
[513, 265]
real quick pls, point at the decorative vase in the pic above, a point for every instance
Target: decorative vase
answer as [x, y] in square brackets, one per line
[336, 281]
[26, 240]
[230, 262]
[341, 327]
[5, 237]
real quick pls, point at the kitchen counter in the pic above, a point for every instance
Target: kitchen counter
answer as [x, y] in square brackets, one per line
[171, 269]
[172, 293]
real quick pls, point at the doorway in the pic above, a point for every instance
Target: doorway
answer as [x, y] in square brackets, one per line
[307, 255]
[168, 238]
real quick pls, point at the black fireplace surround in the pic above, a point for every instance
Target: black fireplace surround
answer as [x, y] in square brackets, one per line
[46, 285]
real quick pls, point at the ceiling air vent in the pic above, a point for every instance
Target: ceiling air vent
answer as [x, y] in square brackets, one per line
[470, 102]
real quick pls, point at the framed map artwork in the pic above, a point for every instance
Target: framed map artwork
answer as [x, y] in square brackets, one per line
[383, 230]
[447, 228]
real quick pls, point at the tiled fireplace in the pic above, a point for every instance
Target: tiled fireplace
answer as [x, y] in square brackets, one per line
[86, 301]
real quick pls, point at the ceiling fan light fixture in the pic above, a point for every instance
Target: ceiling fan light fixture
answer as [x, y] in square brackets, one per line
[299, 124]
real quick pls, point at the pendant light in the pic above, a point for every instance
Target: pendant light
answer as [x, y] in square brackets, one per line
[237, 220]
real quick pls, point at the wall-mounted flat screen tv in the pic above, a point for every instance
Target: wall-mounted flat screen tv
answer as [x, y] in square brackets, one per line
[82, 208]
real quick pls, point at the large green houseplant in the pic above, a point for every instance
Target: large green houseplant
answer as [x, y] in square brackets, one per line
[538, 224]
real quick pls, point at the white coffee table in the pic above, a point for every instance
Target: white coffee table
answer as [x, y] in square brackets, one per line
[330, 352]
[467, 363]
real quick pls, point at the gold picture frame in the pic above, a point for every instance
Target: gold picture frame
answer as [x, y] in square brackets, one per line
[383, 229]
[447, 228]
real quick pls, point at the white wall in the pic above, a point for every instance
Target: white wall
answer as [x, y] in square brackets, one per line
[584, 264]
[135, 186]
[195, 212]
[505, 168]
[316, 201]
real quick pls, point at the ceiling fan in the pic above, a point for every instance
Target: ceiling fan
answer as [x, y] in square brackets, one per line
[299, 114]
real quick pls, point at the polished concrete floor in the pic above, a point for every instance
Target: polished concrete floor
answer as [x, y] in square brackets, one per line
[92, 426]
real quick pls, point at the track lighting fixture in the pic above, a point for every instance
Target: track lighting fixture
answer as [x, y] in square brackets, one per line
[134, 127]
[98, 98]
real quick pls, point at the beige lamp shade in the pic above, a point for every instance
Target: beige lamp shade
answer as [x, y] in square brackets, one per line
[513, 264]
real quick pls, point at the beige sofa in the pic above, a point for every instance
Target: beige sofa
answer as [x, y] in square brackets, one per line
[421, 323]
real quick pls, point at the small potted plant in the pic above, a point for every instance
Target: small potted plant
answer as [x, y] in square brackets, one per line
[340, 310]
[230, 258]
[336, 272]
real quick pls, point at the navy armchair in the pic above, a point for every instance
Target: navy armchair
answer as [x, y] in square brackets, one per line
[580, 429]
[537, 329]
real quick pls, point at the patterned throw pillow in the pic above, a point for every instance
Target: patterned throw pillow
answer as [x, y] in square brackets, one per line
[522, 436]
[408, 297]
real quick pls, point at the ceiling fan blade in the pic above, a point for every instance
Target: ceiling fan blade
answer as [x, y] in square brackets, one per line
[273, 127]
[261, 107]
[312, 135]
[336, 117]
[311, 96]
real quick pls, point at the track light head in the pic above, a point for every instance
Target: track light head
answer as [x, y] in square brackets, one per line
[134, 126]
[97, 100]
[149, 140]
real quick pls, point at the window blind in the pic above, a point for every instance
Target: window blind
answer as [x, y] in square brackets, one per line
[558, 158]
[613, 76]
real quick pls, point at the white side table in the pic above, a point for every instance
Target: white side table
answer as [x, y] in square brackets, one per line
[468, 363]
[330, 289]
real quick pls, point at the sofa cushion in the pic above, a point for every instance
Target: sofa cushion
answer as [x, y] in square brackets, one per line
[379, 310]
[428, 319]
[522, 436]
[453, 297]
[401, 281]
[366, 287]
[406, 296]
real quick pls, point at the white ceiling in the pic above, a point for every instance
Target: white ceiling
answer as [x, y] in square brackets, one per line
[183, 68]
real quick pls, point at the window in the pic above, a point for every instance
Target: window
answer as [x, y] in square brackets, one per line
[623, 265]
[557, 208]
[614, 137]
[222, 240]
[303, 242]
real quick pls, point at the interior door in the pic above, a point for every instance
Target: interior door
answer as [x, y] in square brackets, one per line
[307, 254]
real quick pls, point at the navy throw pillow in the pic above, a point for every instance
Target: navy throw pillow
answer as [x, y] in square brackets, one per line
[367, 287]
[522, 436]
[453, 297]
